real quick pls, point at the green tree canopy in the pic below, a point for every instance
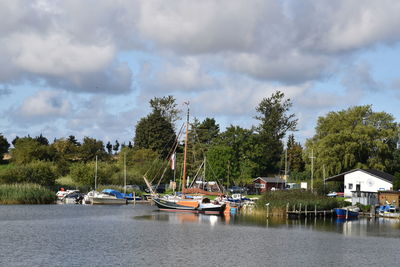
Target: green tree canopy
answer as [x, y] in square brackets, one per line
[4, 146]
[353, 138]
[155, 132]
[167, 107]
[27, 149]
[274, 124]
[91, 148]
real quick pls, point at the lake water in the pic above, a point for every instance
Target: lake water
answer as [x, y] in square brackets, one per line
[76, 235]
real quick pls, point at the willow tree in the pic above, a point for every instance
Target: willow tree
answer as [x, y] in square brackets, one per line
[353, 138]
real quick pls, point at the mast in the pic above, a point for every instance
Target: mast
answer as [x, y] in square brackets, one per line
[185, 151]
[125, 173]
[95, 176]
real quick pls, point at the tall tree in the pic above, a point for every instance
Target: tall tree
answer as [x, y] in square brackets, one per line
[73, 140]
[42, 140]
[4, 146]
[167, 107]
[155, 132]
[109, 147]
[275, 122]
[294, 155]
[27, 149]
[353, 138]
[116, 147]
[91, 148]
[207, 131]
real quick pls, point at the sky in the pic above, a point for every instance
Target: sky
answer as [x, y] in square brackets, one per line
[89, 68]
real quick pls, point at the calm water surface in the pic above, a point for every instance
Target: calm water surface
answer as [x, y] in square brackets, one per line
[76, 235]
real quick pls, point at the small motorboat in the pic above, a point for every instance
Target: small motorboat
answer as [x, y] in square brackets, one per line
[106, 197]
[347, 212]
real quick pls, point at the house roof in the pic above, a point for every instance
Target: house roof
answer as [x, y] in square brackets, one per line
[271, 180]
[378, 174]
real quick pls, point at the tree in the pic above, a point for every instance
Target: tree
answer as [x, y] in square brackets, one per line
[42, 140]
[207, 131]
[274, 124]
[155, 132]
[14, 140]
[130, 144]
[294, 155]
[116, 146]
[91, 148]
[109, 147]
[221, 161]
[27, 149]
[4, 146]
[38, 172]
[166, 106]
[353, 138]
[73, 140]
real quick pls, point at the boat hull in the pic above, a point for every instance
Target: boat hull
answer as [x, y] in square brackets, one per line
[191, 206]
[108, 201]
[343, 213]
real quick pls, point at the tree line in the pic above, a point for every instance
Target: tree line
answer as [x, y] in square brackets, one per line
[357, 137]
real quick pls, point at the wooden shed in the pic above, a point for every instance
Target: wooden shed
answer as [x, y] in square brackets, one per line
[392, 197]
[263, 184]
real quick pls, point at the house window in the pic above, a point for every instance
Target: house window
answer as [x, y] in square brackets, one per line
[350, 186]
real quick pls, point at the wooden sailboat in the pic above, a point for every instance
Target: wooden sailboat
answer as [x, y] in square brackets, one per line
[186, 203]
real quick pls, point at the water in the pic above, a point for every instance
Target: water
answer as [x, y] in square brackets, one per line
[76, 235]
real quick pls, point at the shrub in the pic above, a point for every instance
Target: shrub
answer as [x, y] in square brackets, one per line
[38, 172]
[26, 194]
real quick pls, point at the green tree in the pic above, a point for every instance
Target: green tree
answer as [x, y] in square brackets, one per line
[155, 132]
[353, 138]
[274, 124]
[73, 140]
[91, 148]
[109, 148]
[116, 146]
[4, 146]
[294, 155]
[42, 140]
[207, 131]
[396, 181]
[167, 108]
[27, 150]
[220, 160]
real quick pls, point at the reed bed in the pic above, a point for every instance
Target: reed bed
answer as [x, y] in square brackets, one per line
[278, 201]
[26, 194]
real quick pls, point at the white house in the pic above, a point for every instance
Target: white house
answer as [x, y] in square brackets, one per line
[363, 180]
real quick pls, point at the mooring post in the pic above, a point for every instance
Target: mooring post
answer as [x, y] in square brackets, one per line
[306, 211]
[287, 210]
[300, 210]
[347, 213]
[315, 211]
[267, 211]
[134, 198]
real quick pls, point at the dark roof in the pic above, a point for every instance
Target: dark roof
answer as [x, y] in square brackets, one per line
[379, 174]
[271, 180]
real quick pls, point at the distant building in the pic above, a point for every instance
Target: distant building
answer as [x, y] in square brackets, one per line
[365, 198]
[363, 180]
[263, 184]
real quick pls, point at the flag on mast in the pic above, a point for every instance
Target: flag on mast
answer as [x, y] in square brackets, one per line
[173, 160]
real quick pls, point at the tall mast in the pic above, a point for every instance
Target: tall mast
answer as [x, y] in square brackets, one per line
[95, 176]
[125, 173]
[185, 151]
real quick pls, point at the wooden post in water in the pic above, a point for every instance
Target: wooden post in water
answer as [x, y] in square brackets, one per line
[300, 210]
[315, 211]
[134, 198]
[347, 213]
[287, 210]
[268, 211]
[306, 211]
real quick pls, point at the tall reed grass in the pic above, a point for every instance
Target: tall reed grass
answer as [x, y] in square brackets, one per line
[279, 199]
[26, 194]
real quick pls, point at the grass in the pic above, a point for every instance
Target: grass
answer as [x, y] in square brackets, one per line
[279, 199]
[26, 194]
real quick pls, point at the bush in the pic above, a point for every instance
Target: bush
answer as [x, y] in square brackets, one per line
[38, 172]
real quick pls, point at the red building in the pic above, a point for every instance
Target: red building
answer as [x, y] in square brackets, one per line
[263, 184]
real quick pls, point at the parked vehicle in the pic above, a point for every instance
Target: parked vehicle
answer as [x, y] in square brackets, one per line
[237, 189]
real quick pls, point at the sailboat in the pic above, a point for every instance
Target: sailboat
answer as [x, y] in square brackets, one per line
[106, 197]
[185, 202]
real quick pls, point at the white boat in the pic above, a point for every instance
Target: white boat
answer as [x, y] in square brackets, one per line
[102, 198]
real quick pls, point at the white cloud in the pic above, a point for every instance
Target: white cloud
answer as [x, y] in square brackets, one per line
[44, 104]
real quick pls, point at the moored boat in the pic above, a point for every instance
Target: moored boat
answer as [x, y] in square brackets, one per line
[347, 212]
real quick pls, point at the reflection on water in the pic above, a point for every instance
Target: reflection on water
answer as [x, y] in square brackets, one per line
[380, 227]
